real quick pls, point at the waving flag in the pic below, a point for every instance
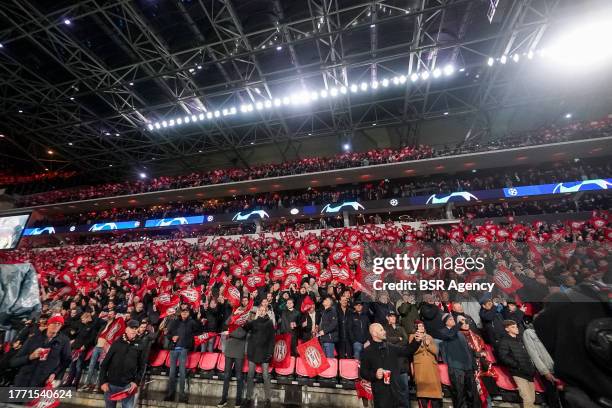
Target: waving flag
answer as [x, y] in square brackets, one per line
[192, 296]
[312, 357]
[240, 317]
[203, 338]
[364, 389]
[505, 280]
[232, 294]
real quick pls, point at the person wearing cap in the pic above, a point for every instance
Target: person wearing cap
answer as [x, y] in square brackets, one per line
[44, 356]
[123, 367]
[492, 321]
[357, 328]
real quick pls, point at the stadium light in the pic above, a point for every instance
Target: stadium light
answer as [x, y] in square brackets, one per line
[143, 175]
[503, 59]
[516, 57]
[385, 82]
[364, 86]
[346, 147]
[568, 116]
[67, 22]
[414, 77]
[425, 75]
[354, 88]
[449, 70]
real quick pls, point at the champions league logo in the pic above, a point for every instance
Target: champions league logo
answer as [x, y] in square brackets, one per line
[573, 187]
[108, 226]
[465, 195]
[280, 350]
[240, 217]
[313, 357]
[166, 222]
[41, 231]
[334, 209]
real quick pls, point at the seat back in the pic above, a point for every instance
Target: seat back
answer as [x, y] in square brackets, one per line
[332, 370]
[349, 369]
[287, 371]
[208, 361]
[444, 377]
[221, 362]
[504, 379]
[157, 358]
[300, 369]
[193, 359]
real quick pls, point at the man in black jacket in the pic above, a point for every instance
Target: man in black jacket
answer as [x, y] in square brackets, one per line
[44, 356]
[357, 329]
[289, 324]
[431, 315]
[123, 367]
[492, 322]
[328, 328]
[381, 308]
[260, 346]
[344, 346]
[379, 357]
[180, 336]
[514, 355]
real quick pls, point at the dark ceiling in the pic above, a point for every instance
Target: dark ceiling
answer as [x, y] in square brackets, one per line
[85, 88]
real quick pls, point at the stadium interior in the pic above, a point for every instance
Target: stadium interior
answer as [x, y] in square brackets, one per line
[175, 174]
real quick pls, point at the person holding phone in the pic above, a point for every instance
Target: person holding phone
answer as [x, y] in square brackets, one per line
[425, 369]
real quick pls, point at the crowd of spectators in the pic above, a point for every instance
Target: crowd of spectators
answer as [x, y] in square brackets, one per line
[310, 286]
[384, 189]
[579, 130]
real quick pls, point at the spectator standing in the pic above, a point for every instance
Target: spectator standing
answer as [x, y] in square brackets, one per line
[492, 322]
[357, 328]
[123, 367]
[458, 357]
[397, 336]
[43, 357]
[344, 346]
[544, 364]
[512, 312]
[425, 370]
[327, 328]
[308, 319]
[431, 315]
[288, 324]
[381, 308]
[408, 311]
[235, 347]
[180, 337]
[514, 355]
[260, 347]
[84, 339]
[380, 364]
[102, 344]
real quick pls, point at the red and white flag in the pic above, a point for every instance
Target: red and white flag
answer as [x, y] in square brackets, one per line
[282, 351]
[312, 357]
[203, 338]
[504, 279]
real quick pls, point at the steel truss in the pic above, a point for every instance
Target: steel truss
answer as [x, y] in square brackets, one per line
[324, 43]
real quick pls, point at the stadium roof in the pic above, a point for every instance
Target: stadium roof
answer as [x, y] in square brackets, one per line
[80, 81]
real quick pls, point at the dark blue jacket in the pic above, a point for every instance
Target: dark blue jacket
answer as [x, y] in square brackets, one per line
[34, 373]
[329, 324]
[358, 327]
[455, 350]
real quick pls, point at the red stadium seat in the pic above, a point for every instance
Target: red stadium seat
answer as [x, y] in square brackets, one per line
[286, 371]
[332, 371]
[193, 359]
[349, 369]
[208, 361]
[221, 362]
[259, 370]
[300, 369]
[158, 358]
[504, 379]
[444, 378]
[490, 353]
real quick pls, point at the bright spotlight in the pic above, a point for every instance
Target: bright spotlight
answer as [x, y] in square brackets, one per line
[402, 79]
[346, 147]
[516, 58]
[171, 122]
[164, 124]
[143, 175]
[568, 116]
[157, 125]
[286, 100]
[67, 22]
[414, 77]
[333, 92]
[243, 108]
[589, 39]
[324, 93]
[233, 110]
[425, 75]
[395, 80]
[150, 126]
[201, 116]
[364, 86]
[259, 106]
[343, 89]
[217, 114]
[385, 82]
[437, 72]
[490, 61]
[530, 55]
[314, 96]
[277, 102]
[449, 70]
[267, 104]
[374, 84]
[179, 121]
[354, 88]
[294, 211]
[194, 118]
[503, 59]
[186, 119]
[209, 115]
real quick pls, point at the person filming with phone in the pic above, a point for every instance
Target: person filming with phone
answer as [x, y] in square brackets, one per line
[43, 357]
[380, 364]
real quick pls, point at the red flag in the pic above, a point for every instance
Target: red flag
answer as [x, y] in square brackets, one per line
[203, 338]
[504, 278]
[166, 301]
[121, 395]
[232, 294]
[192, 296]
[240, 317]
[306, 303]
[46, 400]
[254, 281]
[364, 389]
[312, 357]
[114, 330]
[282, 351]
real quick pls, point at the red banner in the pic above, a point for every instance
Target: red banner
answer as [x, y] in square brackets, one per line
[364, 389]
[282, 351]
[312, 357]
[505, 280]
[203, 338]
